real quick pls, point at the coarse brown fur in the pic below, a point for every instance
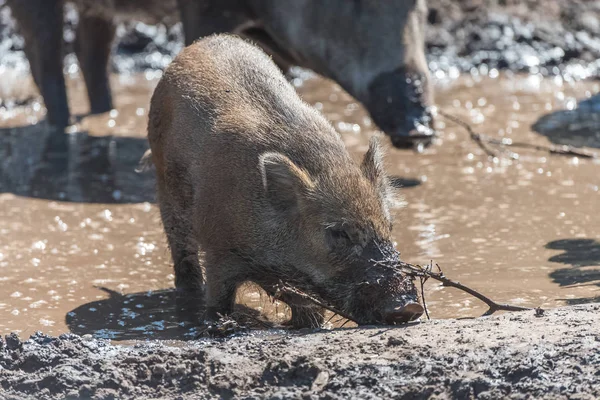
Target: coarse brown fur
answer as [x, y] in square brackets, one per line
[261, 183]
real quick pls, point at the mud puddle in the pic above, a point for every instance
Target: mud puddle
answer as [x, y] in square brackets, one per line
[82, 248]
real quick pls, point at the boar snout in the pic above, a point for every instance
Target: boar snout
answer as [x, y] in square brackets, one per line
[400, 104]
[389, 300]
[384, 294]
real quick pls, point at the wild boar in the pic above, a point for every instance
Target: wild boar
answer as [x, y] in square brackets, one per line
[262, 184]
[374, 49]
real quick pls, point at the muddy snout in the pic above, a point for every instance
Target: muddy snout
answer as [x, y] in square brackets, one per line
[399, 314]
[387, 297]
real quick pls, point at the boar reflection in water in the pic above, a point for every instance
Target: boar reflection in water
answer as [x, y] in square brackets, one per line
[263, 184]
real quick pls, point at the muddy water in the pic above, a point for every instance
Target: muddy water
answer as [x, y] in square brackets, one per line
[81, 246]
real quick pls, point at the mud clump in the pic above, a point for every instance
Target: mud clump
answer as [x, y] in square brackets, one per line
[516, 356]
[73, 367]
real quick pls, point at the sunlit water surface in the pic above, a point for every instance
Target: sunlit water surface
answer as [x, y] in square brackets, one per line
[82, 247]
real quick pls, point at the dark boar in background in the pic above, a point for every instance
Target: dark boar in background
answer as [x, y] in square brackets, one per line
[373, 49]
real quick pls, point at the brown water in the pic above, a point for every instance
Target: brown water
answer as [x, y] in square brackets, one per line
[82, 248]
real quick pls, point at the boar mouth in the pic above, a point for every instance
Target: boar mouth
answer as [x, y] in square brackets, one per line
[405, 314]
[383, 306]
[399, 102]
[417, 133]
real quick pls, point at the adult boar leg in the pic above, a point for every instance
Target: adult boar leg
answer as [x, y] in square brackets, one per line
[281, 57]
[305, 314]
[201, 18]
[93, 46]
[41, 24]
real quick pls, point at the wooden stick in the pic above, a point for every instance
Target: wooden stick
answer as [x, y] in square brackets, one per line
[417, 270]
[423, 280]
[483, 141]
[423, 273]
[285, 288]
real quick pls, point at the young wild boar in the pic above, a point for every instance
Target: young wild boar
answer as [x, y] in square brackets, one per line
[263, 185]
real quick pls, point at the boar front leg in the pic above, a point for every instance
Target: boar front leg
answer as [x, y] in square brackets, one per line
[305, 314]
[176, 212]
[201, 18]
[93, 46]
[41, 23]
[224, 274]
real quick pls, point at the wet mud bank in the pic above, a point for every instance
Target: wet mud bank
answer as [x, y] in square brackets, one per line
[515, 355]
[537, 36]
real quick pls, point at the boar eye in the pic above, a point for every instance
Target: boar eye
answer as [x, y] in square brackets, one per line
[339, 234]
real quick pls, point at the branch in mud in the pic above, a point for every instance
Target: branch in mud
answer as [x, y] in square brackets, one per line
[425, 273]
[484, 142]
[417, 271]
[285, 288]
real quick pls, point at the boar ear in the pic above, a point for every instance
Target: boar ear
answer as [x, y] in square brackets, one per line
[284, 182]
[372, 167]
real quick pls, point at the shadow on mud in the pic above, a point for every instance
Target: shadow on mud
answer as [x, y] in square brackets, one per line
[579, 127]
[161, 314]
[582, 255]
[42, 163]
[136, 316]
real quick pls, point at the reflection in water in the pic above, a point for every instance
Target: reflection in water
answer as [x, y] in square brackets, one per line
[578, 127]
[73, 167]
[160, 314]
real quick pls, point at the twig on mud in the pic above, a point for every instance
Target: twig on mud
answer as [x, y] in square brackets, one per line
[225, 326]
[483, 141]
[285, 288]
[423, 279]
[241, 316]
[419, 271]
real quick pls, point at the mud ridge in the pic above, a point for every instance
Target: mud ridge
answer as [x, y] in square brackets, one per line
[515, 355]
[536, 36]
